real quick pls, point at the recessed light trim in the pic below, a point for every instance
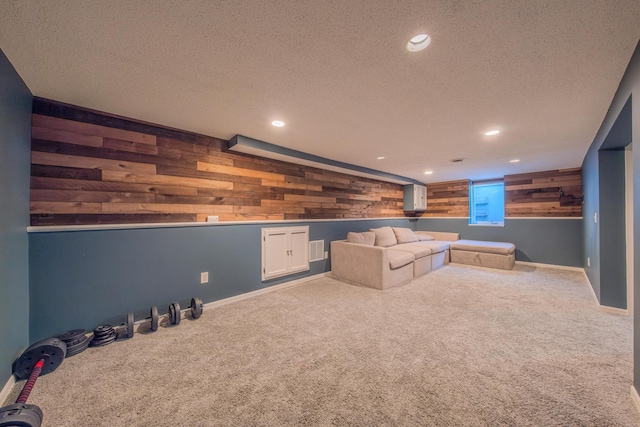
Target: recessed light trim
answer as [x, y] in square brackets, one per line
[277, 123]
[492, 132]
[428, 172]
[380, 158]
[419, 42]
[514, 161]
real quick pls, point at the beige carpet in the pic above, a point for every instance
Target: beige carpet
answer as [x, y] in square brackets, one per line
[461, 346]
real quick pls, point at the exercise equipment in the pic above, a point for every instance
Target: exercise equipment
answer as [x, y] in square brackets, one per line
[196, 307]
[39, 359]
[103, 335]
[76, 340]
[154, 318]
[174, 313]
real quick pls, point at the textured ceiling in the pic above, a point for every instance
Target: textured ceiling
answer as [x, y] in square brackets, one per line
[338, 74]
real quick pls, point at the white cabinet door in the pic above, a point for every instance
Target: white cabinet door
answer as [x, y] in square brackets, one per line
[299, 255]
[285, 250]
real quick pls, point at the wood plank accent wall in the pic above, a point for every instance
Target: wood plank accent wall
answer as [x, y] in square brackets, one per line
[94, 168]
[448, 199]
[553, 193]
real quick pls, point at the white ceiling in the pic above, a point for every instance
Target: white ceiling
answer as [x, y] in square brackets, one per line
[338, 73]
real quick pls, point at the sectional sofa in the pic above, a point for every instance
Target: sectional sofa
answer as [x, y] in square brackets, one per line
[386, 257]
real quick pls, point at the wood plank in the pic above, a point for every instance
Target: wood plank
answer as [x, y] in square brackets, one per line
[195, 200]
[131, 208]
[108, 175]
[92, 185]
[132, 147]
[301, 198]
[82, 219]
[66, 137]
[289, 184]
[78, 127]
[53, 159]
[182, 172]
[258, 210]
[229, 170]
[90, 196]
[65, 207]
[65, 172]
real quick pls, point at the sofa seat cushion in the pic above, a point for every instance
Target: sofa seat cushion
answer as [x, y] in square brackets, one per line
[418, 250]
[436, 246]
[399, 259]
[498, 248]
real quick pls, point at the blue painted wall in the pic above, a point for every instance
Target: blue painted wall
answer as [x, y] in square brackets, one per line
[545, 241]
[81, 279]
[15, 160]
[613, 132]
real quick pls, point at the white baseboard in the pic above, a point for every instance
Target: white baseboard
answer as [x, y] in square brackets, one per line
[244, 296]
[635, 397]
[557, 267]
[604, 308]
[6, 390]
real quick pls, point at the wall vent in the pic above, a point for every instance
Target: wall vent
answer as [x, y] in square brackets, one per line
[316, 250]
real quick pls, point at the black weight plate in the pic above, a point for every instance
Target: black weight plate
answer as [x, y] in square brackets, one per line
[100, 343]
[130, 325]
[52, 350]
[154, 318]
[177, 316]
[78, 348]
[103, 330]
[172, 314]
[75, 335]
[196, 307]
[20, 415]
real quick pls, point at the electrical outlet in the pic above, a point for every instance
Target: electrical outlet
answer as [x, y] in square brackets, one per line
[212, 218]
[204, 277]
[326, 254]
[588, 262]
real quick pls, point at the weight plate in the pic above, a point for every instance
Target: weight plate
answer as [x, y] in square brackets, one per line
[172, 314]
[78, 348]
[175, 317]
[196, 307]
[101, 342]
[130, 325]
[20, 415]
[52, 350]
[103, 330]
[154, 318]
[73, 336]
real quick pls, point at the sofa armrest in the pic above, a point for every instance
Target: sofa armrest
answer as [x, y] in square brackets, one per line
[364, 264]
[441, 235]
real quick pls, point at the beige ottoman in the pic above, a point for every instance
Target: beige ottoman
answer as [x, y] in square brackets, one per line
[484, 254]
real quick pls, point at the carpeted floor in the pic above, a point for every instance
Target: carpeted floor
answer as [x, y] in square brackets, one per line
[461, 346]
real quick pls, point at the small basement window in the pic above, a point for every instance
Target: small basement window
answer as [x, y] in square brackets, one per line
[486, 200]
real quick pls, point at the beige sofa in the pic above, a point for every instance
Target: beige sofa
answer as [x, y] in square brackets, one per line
[389, 256]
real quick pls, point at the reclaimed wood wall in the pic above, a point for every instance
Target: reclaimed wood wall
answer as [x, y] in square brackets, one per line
[448, 199]
[94, 168]
[554, 193]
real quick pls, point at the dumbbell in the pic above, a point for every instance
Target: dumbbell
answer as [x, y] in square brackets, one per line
[106, 334]
[39, 359]
[196, 310]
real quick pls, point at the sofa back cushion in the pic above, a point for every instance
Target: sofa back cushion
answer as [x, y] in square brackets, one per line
[364, 238]
[425, 237]
[404, 235]
[384, 237]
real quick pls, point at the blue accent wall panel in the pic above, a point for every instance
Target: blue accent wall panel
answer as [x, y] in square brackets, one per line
[81, 279]
[544, 241]
[15, 160]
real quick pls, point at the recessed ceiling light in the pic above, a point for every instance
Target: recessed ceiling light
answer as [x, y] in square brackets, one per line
[418, 42]
[277, 123]
[458, 160]
[381, 158]
[492, 132]
[514, 161]
[428, 172]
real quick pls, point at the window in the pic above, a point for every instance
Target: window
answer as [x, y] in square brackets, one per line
[487, 203]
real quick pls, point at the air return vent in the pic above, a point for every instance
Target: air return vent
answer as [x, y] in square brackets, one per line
[316, 250]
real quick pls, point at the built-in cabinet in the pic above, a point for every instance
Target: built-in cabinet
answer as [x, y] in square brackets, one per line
[415, 198]
[285, 250]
